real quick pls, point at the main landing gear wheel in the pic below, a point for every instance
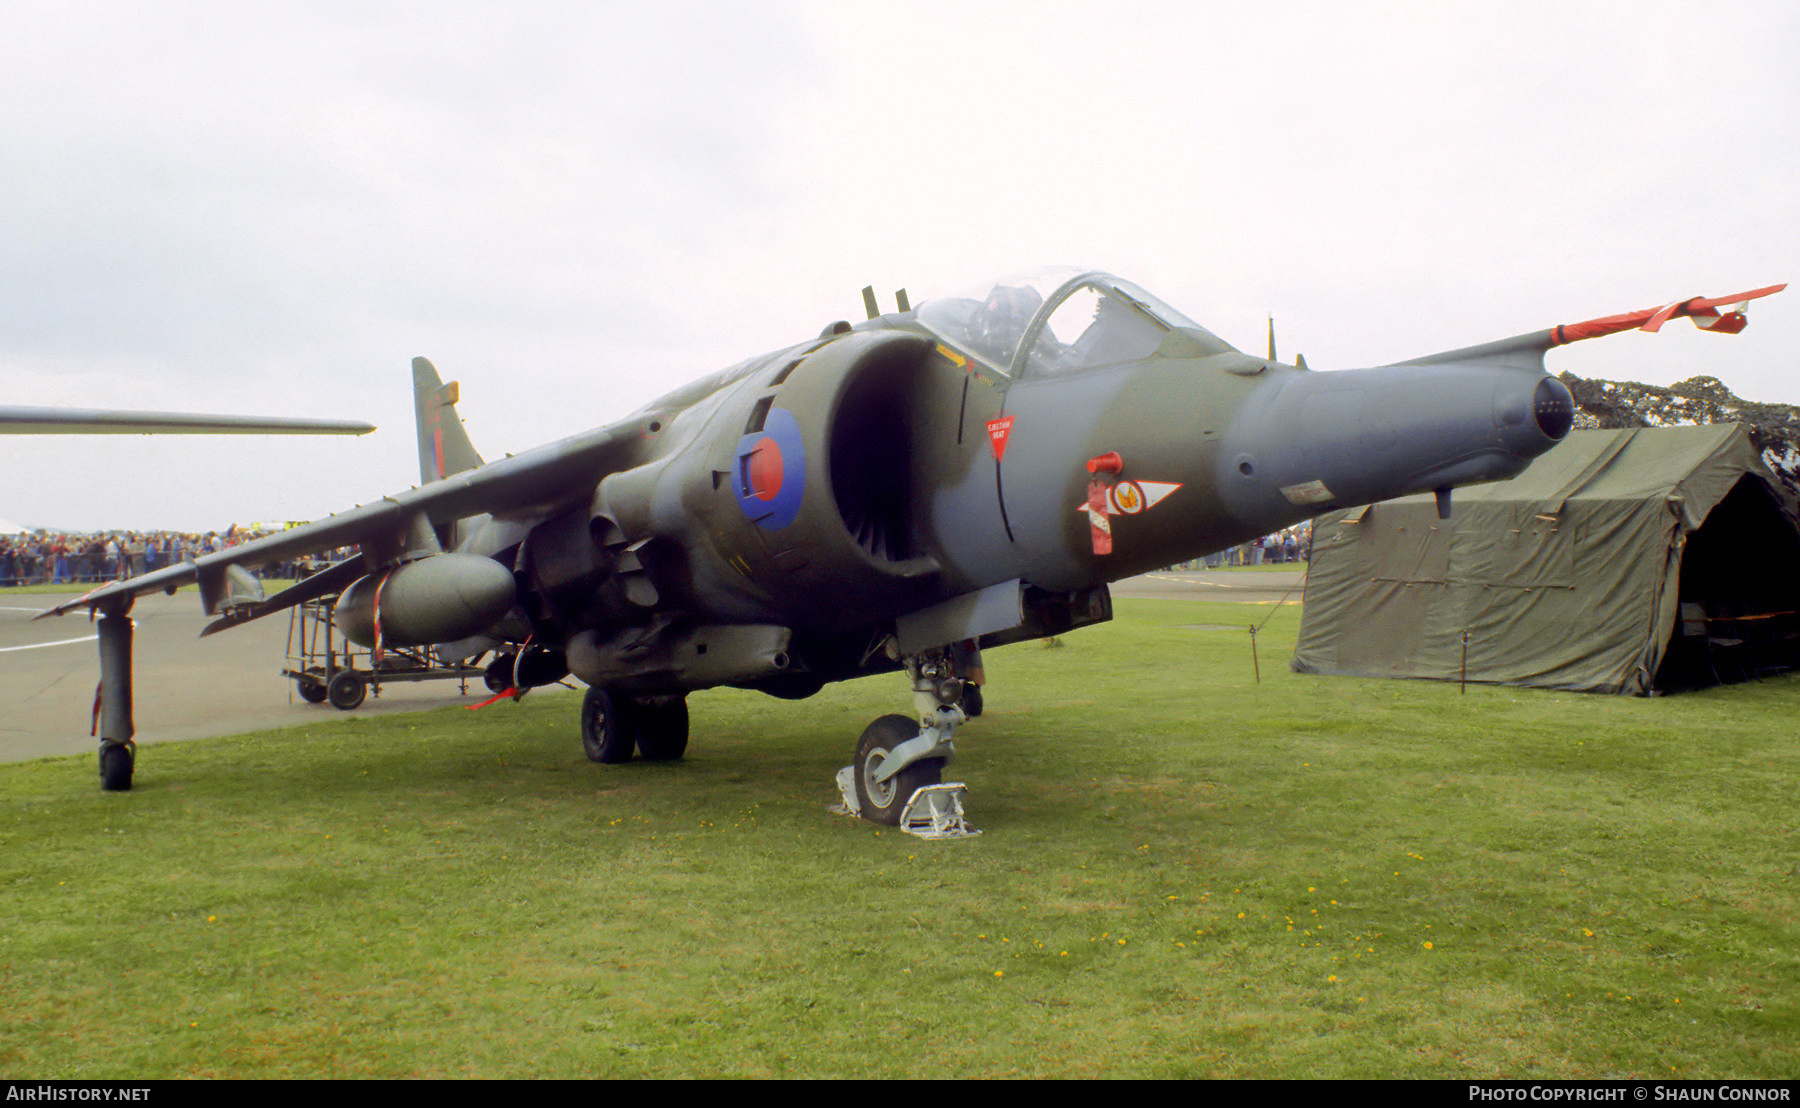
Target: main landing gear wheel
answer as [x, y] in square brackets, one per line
[115, 766]
[346, 690]
[662, 727]
[883, 801]
[608, 731]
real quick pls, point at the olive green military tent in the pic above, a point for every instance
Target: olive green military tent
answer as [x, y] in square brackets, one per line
[1621, 561]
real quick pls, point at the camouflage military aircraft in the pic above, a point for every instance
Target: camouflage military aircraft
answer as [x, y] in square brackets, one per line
[894, 494]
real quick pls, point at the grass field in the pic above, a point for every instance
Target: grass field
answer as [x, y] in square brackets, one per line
[1184, 873]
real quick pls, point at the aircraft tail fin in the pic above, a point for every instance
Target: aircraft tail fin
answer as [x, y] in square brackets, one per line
[444, 446]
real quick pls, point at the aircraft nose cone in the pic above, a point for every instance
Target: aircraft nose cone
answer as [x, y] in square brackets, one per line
[1532, 414]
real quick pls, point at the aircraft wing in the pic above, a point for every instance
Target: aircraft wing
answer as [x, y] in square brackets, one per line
[99, 421]
[534, 484]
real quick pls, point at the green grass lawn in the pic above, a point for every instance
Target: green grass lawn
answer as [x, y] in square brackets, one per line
[1184, 873]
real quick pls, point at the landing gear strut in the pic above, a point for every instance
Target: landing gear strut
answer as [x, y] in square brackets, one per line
[118, 753]
[896, 776]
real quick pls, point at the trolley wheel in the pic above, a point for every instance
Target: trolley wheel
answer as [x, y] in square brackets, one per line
[311, 690]
[346, 690]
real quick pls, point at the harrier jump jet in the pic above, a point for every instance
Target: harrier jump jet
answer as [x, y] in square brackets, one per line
[894, 494]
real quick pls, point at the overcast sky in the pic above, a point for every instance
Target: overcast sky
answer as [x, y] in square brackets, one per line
[573, 208]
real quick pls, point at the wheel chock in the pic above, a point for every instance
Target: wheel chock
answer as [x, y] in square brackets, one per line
[846, 783]
[936, 812]
[932, 812]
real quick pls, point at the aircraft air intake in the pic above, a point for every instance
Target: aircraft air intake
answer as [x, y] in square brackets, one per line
[870, 453]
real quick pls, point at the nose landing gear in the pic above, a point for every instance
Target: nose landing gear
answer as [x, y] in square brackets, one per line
[896, 776]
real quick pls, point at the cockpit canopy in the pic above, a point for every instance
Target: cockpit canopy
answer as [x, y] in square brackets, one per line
[1057, 320]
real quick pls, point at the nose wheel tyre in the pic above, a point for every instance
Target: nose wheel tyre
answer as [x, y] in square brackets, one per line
[883, 801]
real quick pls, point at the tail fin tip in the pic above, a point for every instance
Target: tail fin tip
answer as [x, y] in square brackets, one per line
[444, 446]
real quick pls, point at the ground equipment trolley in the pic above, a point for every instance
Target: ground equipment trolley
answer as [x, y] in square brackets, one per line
[326, 666]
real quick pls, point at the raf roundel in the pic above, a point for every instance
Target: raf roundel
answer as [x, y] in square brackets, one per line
[771, 471]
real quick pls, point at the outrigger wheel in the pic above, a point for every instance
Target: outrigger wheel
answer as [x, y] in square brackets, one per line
[883, 801]
[116, 761]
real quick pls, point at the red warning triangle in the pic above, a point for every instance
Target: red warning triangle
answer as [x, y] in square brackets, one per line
[997, 430]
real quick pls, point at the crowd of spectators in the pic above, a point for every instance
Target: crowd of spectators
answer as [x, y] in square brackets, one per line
[1292, 544]
[49, 558]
